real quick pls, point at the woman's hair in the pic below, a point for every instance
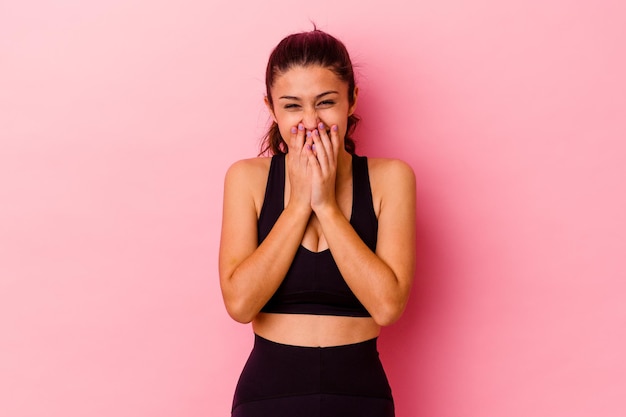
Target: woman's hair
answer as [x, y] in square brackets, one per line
[304, 49]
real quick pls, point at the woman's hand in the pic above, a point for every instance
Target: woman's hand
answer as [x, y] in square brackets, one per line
[323, 161]
[298, 168]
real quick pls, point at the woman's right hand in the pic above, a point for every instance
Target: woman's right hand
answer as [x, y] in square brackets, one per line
[298, 168]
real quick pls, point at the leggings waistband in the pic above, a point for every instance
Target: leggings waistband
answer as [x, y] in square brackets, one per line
[276, 370]
[366, 344]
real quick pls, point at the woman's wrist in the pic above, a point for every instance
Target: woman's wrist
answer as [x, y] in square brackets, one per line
[298, 209]
[326, 212]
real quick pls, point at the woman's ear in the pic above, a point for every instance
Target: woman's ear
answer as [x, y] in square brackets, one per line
[270, 108]
[353, 105]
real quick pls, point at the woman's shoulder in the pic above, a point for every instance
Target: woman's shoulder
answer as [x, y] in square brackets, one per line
[390, 180]
[390, 169]
[249, 168]
[248, 176]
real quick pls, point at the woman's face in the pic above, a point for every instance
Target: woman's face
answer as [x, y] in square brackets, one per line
[310, 95]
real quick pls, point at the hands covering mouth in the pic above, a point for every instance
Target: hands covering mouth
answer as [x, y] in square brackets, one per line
[312, 164]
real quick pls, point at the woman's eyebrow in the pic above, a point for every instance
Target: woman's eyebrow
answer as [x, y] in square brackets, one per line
[317, 97]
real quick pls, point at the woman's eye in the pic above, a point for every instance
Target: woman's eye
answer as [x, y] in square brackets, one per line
[326, 103]
[291, 106]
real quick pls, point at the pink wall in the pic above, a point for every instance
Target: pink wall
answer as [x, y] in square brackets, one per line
[119, 118]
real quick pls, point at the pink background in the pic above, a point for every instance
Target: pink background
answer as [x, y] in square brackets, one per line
[118, 120]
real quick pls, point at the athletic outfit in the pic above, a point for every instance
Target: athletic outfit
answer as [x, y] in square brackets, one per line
[282, 380]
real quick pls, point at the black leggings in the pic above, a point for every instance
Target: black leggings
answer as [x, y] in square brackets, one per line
[295, 381]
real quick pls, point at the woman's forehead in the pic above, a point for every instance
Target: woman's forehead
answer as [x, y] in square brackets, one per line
[307, 81]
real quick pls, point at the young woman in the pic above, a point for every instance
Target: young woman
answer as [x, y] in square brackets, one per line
[317, 247]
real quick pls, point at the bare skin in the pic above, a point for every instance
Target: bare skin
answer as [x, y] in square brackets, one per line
[311, 107]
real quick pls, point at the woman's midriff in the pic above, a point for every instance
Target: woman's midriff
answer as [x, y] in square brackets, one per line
[313, 330]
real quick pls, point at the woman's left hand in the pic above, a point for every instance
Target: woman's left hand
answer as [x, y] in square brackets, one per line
[323, 159]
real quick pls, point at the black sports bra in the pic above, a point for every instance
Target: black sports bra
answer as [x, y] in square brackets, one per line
[313, 284]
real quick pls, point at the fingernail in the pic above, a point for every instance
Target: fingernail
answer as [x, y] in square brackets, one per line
[315, 132]
[294, 130]
[308, 134]
[300, 126]
[321, 126]
[334, 128]
[313, 147]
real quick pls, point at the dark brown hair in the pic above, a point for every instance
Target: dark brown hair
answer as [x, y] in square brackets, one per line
[303, 49]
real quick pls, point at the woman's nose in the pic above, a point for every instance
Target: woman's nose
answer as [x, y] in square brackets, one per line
[310, 120]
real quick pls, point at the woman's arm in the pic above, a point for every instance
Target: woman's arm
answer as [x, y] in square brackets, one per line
[381, 280]
[251, 273]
